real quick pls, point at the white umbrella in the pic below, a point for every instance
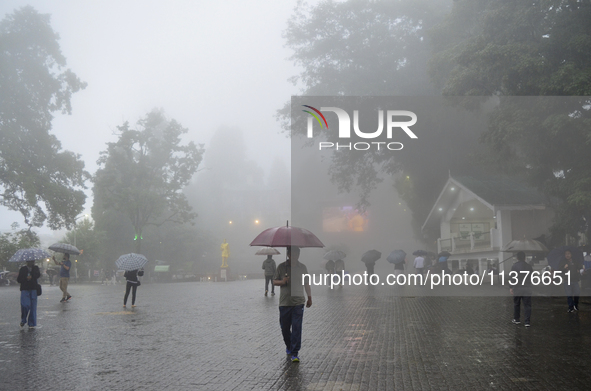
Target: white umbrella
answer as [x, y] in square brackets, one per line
[525, 245]
[334, 255]
[131, 261]
[267, 251]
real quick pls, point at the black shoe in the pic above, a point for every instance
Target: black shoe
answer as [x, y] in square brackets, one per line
[69, 297]
[527, 325]
[266, 293]
[514, 321]
[63, 300]
[272, 293]
[571, 310]
[22, 324]
[575, 308]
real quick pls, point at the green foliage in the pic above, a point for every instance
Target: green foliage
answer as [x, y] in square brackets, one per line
[38, 179]
[91, 242]
[382, 48]
[511, 48]
[11, 242]
[142, 174]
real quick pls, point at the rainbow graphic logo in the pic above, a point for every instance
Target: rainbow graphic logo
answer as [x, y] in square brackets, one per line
[316, 116]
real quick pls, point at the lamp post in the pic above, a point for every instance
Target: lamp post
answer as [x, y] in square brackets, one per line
[75, 229]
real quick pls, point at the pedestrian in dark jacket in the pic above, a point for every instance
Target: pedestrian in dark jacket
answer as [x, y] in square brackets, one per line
[571, 285]
[522, 290]
[132, 284]
[269, 267]
[27, 277]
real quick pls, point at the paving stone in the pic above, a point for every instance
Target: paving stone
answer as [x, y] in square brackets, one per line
[226, 336]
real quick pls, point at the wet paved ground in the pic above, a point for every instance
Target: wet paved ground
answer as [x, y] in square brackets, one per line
[225, 336]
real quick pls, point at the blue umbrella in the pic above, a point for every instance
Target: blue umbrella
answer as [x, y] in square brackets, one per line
[557, 255]
[131, 261]
[29, 254]
[396, 256]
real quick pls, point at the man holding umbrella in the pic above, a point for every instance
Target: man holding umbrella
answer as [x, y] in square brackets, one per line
[288, 276]
[64, 276]
[269, 267]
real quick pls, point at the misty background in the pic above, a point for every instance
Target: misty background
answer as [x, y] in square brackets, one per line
[180, 116]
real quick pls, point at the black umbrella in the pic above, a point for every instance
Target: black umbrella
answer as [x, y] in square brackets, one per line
[557, 255]
[443, 254]
[371, 256]
[420, 253]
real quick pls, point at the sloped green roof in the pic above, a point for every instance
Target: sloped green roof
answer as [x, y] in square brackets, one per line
[503, 191]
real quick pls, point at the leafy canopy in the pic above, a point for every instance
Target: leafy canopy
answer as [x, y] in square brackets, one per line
[37, 178]
[142, 174]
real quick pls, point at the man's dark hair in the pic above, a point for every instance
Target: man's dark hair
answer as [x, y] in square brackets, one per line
[520, 256]
[293, 250]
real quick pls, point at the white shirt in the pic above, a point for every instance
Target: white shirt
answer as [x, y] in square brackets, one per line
[419, 262]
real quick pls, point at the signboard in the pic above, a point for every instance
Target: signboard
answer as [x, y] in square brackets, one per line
[161, 268]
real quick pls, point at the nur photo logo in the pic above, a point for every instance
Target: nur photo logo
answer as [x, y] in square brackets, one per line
[395, 121]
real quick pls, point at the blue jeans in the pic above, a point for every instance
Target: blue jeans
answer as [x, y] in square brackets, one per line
[29, 307]
[290, 319]
[573, 291]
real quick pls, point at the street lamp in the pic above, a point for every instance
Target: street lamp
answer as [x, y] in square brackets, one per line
[75, 229]
[75, 226]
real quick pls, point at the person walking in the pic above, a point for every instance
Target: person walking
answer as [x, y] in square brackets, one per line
[64, 276]
[370, 268]
[419, 264]
[27, 277]
[522, 290]
[289, 276]
[269, 267]
[132, 283]
[571, 288]
[339, 268]
[330, 266]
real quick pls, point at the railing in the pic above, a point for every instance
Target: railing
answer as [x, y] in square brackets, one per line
[467, 242]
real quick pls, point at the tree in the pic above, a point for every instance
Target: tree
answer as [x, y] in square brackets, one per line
[511, 48]
[142, 174]
[91, 242]
[38, 178]
[11, 242]
[382, 48]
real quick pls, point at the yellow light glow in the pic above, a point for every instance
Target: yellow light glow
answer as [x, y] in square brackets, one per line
[256, 221]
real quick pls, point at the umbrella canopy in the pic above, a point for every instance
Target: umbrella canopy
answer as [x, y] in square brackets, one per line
[64, 248]
[29, 254]
[420, 253]
[397, 256]
[131, 261]
[525, 245]
[334, 255]
[557, 255]
[287, 236]
[443, 254]
[371, 256]
[267, 251]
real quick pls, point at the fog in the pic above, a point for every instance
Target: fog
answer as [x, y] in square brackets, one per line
[206, 64]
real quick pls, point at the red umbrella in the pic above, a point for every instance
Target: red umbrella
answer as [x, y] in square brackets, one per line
[287, 236]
